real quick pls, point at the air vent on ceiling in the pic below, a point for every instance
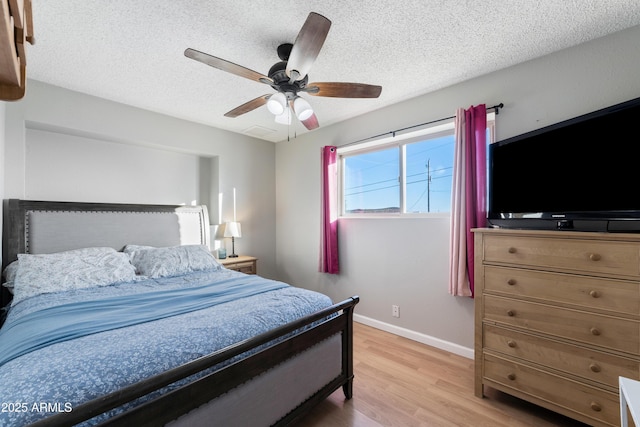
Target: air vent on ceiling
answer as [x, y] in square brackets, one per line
[258, 131]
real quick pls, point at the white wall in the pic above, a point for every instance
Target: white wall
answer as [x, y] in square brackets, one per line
[404, 261]
[63, 145]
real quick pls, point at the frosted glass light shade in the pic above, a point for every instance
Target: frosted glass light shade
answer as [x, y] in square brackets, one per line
[277, 103]
[303, 108]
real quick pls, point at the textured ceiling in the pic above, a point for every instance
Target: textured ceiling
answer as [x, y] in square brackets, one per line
[133, 51]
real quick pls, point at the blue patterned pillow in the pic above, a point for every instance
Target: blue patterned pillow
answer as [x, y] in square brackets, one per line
[63, 271]
[10, 275]
[172, 261]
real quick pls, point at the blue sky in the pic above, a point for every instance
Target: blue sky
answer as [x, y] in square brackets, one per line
[371, 179]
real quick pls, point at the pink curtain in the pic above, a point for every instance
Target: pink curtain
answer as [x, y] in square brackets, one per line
[329, 233]
[468, 198]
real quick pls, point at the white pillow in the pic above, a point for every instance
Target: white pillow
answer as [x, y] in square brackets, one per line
[172, 261]
[63, 271]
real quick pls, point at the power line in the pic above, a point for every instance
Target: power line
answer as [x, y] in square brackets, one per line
[394, 179]
[375, 189]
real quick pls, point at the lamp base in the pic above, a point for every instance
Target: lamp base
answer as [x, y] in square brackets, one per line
[233, 248]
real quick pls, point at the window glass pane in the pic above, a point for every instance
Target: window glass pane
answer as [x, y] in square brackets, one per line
[429, 166]
[371, 182]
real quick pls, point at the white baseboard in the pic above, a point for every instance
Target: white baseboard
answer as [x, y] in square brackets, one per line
[416, 336]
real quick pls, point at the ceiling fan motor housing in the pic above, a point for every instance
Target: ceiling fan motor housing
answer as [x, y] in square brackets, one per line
[282, 82]
[284, 50]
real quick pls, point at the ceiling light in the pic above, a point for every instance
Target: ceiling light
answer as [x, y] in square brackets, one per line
[284, 118]
[277, 103]
[303, 108]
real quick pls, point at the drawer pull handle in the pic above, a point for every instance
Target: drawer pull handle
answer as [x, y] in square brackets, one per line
[511, 313]
[512, 377]
[512, 250]
[596, 406]
[595, 331]
[511, 282]
[595, 257]
[594, 294]
[594, 367]
[511, 343]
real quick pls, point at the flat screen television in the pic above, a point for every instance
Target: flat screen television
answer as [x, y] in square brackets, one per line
[581, 174]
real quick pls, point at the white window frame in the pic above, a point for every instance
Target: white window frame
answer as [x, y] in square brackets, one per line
[400, 140]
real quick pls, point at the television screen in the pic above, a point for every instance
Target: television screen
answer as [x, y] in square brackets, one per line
[583, 169]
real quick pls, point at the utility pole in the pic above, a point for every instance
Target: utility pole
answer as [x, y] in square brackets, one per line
[428, 165]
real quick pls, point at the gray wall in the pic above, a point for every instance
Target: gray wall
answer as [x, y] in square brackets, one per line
[405, 261]
[63, 145]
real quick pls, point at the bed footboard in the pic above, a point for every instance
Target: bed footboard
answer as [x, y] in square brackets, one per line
[274, 347]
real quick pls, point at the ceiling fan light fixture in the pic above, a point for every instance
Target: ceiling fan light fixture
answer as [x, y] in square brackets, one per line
[277, 103]
[302, 108]
[284, 118]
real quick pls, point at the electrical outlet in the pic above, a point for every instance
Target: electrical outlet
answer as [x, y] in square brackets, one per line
[395, 310]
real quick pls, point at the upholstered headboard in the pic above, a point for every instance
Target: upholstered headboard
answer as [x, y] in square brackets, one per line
[39, 227]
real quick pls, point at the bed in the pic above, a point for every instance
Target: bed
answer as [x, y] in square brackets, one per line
[144, 327]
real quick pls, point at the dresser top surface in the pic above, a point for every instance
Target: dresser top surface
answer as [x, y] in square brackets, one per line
[561, 234]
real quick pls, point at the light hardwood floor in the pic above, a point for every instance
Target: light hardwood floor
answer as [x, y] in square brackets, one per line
[400, 382]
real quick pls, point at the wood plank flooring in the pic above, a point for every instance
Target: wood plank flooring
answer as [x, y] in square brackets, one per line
[400, 382]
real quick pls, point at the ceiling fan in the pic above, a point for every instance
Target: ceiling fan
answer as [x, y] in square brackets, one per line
[289, 77]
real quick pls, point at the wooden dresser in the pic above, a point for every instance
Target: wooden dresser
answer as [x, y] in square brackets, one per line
[557, 318]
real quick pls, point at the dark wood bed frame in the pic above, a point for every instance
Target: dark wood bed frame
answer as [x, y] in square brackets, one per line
[290, 340]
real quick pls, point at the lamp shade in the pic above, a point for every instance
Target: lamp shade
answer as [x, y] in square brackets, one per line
[303, 108]
[217, 231]
[277, 103]
[232, 229]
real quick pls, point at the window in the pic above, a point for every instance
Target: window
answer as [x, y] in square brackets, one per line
[429, 166]
[407, 174]
[371, 182]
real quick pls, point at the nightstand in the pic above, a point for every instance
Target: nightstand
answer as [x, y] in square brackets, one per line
[241, 263]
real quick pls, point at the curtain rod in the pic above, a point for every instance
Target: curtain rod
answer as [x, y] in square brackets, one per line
[393, 132]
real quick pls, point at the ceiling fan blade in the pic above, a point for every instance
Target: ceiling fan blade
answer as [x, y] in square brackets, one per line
[311, 123]
[227, 66]
[307, 46]
[248, 106]
[343, 90]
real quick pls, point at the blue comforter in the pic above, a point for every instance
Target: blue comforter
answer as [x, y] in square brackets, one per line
[65, 322]
[59, 350]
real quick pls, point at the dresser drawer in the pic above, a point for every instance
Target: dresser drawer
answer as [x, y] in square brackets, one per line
[245, 267]
[589, 364]
[618, 296]
[242, 263]
[579, 255]
[605, 331]
[598, 405]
